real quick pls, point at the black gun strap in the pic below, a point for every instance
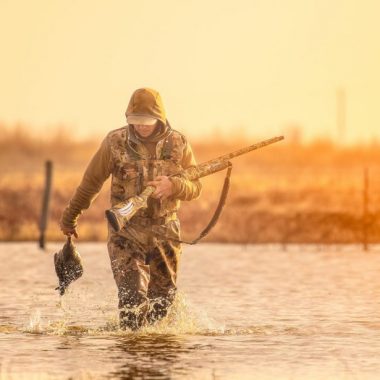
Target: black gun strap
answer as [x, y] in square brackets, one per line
[211, 224]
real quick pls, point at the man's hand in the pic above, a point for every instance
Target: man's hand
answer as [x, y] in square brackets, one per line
[69, 231]
[164, 187]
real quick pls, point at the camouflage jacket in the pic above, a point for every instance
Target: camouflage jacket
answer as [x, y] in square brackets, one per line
[128, 161]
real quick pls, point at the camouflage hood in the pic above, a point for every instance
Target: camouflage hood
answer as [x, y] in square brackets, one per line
[146, 102]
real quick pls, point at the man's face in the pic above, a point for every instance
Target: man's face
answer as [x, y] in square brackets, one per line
[145, 130]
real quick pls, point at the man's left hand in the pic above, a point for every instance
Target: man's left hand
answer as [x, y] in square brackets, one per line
[163, 185]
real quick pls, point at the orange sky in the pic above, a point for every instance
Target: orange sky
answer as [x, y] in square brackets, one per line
[244, 65]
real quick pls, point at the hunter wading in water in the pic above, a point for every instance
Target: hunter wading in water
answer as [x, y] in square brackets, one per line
[145, 152]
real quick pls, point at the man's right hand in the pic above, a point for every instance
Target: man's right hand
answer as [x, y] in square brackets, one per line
[69, 231]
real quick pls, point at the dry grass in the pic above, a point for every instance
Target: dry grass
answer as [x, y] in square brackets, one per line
[283, 193]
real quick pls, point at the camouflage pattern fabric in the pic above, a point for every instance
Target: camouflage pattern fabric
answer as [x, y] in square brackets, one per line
[145, 272]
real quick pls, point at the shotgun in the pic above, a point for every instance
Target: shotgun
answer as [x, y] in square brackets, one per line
[120, 214]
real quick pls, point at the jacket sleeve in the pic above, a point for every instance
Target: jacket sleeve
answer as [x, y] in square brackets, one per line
[98, 170]
[184, 189]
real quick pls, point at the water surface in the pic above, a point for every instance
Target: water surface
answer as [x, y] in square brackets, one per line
[243, 312]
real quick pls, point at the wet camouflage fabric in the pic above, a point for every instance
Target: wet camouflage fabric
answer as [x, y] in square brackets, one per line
[145, 272]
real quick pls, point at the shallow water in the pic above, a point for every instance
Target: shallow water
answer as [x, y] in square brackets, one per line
[243, 312]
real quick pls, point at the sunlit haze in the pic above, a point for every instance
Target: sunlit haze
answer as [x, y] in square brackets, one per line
[257, 68]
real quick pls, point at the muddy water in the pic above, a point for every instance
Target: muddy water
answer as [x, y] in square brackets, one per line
[243, 312]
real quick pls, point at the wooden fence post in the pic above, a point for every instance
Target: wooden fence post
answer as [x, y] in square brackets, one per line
[365, 209]
[45, 202]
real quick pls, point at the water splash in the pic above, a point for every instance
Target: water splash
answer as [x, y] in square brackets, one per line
[35, 324]
[183, 318]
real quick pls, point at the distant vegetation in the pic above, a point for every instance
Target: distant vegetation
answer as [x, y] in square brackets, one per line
[289, 192]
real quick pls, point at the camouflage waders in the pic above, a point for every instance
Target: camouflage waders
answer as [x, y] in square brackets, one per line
[145, 272]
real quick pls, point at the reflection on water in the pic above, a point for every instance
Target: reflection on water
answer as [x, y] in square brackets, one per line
[146, 356]
[242, 312]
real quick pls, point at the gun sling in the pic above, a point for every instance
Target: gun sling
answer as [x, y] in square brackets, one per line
[160, 230]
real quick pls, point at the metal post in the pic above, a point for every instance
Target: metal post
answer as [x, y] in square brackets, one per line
[45, 202]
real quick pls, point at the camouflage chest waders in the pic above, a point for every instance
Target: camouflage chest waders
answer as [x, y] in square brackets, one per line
[144, 267]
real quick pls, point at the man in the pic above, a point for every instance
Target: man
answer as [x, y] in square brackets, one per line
[145, 152]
